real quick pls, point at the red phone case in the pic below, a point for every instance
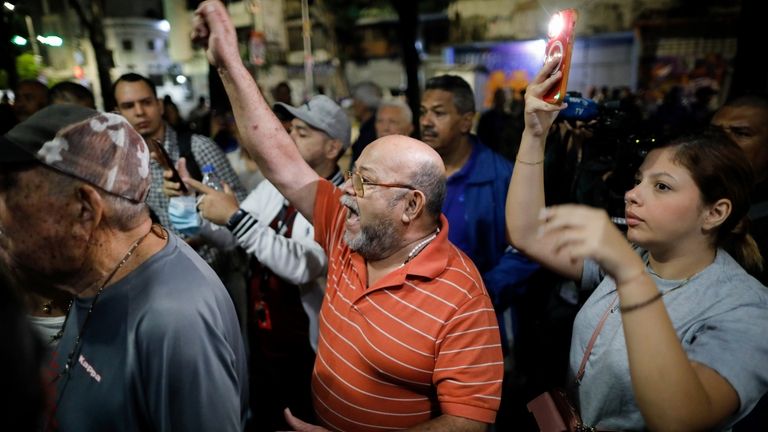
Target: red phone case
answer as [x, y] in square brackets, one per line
[560, 45]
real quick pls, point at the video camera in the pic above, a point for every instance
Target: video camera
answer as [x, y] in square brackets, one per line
[611, 156]
[579, 108]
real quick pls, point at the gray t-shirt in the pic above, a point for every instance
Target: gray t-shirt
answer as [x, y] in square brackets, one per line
[720, 316]
[162, 351]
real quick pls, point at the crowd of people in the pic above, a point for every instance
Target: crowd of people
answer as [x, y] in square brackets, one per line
[430, 282]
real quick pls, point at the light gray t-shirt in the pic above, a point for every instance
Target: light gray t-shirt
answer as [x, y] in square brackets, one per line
[161, 351]
[720, 315]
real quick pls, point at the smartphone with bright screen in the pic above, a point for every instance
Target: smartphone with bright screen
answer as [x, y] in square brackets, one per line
[560, 36]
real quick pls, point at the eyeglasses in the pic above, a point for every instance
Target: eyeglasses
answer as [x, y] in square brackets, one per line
[359, 182]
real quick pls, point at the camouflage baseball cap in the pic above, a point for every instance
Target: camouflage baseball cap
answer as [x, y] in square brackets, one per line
[102, 149]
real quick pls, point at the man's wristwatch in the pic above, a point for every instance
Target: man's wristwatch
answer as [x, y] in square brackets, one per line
[235, 219]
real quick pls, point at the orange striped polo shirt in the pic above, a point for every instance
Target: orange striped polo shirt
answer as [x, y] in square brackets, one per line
[423, 341]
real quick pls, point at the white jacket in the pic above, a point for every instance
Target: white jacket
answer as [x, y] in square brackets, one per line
[299, 259]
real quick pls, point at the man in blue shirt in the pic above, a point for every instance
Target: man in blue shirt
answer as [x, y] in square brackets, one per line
[478, 179]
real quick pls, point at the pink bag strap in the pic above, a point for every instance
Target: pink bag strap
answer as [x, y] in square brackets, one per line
[592, 340]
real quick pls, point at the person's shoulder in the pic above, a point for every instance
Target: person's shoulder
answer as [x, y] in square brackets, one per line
[201, 140]
[733, 284]
[179, 268]
[461, 271]
[263, 193]
[207, 151]
[487, 156]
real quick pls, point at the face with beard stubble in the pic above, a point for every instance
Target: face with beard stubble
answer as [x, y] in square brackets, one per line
[40, 242]
[375, 239]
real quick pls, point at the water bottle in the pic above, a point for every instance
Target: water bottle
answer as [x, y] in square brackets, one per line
[210, 178]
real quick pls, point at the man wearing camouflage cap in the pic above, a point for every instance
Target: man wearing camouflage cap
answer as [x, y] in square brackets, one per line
[143, 347]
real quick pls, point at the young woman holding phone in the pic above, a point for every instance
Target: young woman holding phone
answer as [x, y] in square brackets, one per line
[679, 325]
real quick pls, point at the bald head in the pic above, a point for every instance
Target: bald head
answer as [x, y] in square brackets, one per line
[410, 161]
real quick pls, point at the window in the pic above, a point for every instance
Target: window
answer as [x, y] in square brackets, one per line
[151, 44]
[127, 45]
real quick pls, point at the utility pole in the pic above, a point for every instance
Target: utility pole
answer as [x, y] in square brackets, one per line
[32, 36]
[91, 18]
[306, 26]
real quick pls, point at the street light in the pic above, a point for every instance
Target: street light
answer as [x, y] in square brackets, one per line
[53, 40]
[9, 6]
[18, 40]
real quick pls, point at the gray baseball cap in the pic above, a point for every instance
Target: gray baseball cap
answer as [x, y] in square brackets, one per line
[323, 114]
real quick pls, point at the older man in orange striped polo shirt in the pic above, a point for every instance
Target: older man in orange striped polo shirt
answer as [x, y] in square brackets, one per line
[408, 335]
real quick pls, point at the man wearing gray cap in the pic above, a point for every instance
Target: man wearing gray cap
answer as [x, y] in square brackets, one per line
[143, 348]
[287, 281]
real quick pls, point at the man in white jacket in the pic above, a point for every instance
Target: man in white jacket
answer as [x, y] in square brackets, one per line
[288, 266]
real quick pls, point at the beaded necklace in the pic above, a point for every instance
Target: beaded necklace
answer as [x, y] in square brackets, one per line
[415, 251]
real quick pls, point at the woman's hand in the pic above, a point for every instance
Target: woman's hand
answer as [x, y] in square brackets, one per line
[540, 115]
[582, 232]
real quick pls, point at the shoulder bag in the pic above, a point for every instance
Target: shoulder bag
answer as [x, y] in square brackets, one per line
[552, 410]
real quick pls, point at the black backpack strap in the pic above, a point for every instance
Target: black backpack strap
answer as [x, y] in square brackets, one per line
[185, 151]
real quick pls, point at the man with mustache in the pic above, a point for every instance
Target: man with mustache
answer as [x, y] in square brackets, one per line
[477, 184]
[408, 338]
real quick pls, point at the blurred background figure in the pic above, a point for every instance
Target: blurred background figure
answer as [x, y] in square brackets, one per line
[282, 93]
[224, 131]
[21, 357]
[394, 117]
[199, 120]
[494, 122]
[702, 108]
[31, 97]
[366, 97]
[673, 117]
[73, 93]
[7, 117]
[172, 115]
[226, 136]
[745, 121]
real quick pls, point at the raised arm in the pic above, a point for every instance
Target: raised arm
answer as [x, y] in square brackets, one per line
[525, 199]
[261, 133]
